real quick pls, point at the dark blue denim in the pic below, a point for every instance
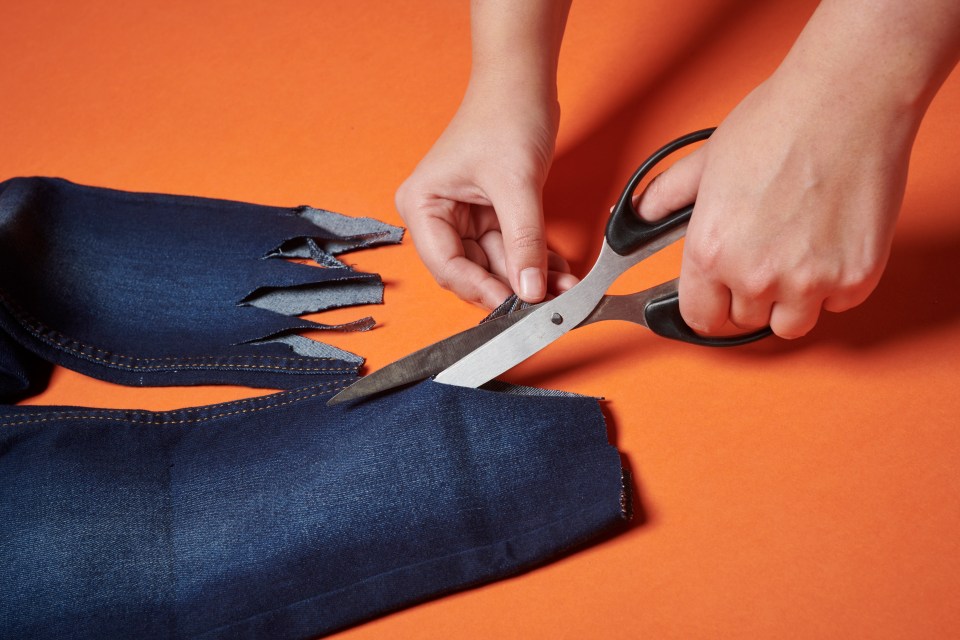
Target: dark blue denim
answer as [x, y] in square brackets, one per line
[279, 517]
[275, 517]
[150, 289]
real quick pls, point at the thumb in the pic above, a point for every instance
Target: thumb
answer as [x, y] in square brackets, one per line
[673, 189]
[520, 214]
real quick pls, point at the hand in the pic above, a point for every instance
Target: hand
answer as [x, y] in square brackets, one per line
[795, 208]
[474, 207]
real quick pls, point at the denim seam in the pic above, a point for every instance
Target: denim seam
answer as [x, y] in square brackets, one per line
[57, 340]
[408, 567]
[132, 419]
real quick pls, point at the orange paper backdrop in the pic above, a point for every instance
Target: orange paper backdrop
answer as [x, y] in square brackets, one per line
[788, 490]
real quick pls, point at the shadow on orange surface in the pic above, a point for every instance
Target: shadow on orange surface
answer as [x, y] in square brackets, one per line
[636, 506]
[916, 296]
[585, 173]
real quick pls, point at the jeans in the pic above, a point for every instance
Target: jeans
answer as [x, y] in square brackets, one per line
[272, 517]
[148, 289]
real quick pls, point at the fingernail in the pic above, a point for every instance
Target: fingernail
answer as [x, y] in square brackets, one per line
[532, 286]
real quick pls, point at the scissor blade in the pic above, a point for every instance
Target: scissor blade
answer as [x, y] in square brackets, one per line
[545, 324]
[430, 360]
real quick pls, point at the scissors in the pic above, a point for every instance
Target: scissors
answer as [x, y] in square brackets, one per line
[479, 354]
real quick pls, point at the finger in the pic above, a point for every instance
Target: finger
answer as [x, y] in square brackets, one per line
[750, 312]
[673, 189]
[559, 282]
[850, 297]
[559, 278]
[473, 252]
[704, 302]
[492, 244]
[520, 212]
[472, 283]
[792, 320]
[444, 255]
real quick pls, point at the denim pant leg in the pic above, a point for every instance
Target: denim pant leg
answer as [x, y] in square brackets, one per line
[281, 517]
[153, 289]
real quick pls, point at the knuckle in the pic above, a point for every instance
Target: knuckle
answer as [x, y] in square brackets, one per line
[531, 170]
[518, 177]
[755, 284]
[406, 201]
[705, 256]
[751, 282]
[475, 298]
[401, 196]
[858, 278]
[748, 318]
[487, 292]
[806, 282]
[821, 281]
[529, 238]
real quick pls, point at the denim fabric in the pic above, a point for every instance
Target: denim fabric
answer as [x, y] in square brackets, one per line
[149, 289]
[21, 372]
[279, 517]
[275, 517]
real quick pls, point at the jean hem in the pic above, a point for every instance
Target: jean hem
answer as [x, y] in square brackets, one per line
[516, 554]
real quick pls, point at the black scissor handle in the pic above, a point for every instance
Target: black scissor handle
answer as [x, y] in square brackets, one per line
[626, 230]
[664, 319]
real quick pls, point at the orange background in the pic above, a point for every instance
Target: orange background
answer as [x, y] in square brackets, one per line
[790, 490]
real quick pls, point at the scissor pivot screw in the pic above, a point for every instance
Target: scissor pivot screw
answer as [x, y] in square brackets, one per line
[556, 318]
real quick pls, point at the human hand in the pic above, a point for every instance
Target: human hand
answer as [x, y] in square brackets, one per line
[474, 207]
[796, 200]
[798, 190]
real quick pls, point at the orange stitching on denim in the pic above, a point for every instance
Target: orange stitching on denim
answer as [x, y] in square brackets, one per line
[58, 340]
[318, 391]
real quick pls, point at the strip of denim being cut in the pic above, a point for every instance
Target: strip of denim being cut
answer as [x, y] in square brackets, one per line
[150, 289]
[275, 516]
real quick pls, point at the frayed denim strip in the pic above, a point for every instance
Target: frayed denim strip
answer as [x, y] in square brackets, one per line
[152, 289]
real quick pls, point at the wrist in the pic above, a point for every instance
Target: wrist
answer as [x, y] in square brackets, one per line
[839, 102]
[880, 61]
[514, 96]
[515, 49]
[512, 100]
